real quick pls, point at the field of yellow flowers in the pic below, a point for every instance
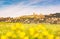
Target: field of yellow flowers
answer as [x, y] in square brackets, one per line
[29, 31]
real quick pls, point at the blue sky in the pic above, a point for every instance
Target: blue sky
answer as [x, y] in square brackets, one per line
[33, 2]
[25, 7]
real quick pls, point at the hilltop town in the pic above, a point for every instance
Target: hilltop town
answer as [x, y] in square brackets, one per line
[51, 18]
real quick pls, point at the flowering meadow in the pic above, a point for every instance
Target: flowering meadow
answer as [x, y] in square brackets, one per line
[29, 31]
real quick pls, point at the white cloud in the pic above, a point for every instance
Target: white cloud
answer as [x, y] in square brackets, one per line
[18, 10]
[21, 9]
[39, 1]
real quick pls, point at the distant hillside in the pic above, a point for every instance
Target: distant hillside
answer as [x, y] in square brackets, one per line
[53, 15]
[51, 18]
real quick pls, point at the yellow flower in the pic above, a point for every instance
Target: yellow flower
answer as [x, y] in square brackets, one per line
[40, 36]
[31, 31]
[36, 35]
[57, 38]
[45, 32]
[50, 36]
[14, 36]
[41, 27]
[21, 34]
[3, 37]
[26, 37]
[22, 27]
[13, 28]
[18, 24]
[9, 34]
